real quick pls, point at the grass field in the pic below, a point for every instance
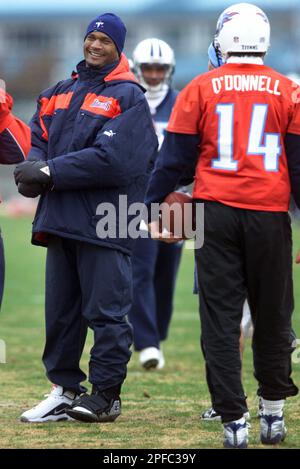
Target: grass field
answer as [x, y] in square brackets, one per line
[160, 409]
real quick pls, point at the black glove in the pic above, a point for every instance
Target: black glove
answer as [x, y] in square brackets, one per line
[33, 172]
[30, 190]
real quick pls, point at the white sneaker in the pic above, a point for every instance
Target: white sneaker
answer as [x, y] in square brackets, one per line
[51, 409]
[236, 434]
[272, 429]
[150, 357]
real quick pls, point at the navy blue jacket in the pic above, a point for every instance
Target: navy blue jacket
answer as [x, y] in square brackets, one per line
[96, 133]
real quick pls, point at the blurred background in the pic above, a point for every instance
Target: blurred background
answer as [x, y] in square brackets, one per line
[41, 42]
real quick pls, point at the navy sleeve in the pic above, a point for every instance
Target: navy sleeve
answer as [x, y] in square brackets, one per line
[39, 144]
[178, 156]
[292, 148]
[39, 131]
[121, 152]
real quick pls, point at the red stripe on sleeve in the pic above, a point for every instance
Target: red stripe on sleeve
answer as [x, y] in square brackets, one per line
[48, 106]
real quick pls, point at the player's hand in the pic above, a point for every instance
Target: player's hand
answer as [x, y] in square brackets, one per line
[33, 172]
[298, 257]
[164, 236]
[30, 190]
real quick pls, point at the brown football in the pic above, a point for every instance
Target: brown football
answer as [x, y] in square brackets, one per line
[177, 215]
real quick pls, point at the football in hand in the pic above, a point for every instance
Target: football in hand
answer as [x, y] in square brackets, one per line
[177, 215]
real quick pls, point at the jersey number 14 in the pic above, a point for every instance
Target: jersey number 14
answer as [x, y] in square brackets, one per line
[270, 150]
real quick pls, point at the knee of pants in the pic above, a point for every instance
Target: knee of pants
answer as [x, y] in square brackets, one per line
[102, 316]
[112, 307]
[280, 343]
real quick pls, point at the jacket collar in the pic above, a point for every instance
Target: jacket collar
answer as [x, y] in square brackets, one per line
[121, 72]
[116, 71]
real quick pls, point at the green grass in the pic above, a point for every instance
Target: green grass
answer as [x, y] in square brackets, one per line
[160, 409]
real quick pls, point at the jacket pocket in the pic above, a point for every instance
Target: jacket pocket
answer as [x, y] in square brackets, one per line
[86, 128]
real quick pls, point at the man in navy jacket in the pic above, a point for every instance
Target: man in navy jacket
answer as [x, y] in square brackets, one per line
[89, 138]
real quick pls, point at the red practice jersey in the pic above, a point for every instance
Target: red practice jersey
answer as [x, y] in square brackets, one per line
[15, 138]
[242, 113]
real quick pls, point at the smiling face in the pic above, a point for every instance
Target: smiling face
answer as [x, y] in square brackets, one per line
[99, 50]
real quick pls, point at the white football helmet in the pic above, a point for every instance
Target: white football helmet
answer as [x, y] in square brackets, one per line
[243, 27]
[153, 51]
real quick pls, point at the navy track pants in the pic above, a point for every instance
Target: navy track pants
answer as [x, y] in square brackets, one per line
[87, 286]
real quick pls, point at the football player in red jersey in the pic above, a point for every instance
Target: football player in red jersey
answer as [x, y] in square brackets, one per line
[215, 60]
[14, 147]
[238, 126]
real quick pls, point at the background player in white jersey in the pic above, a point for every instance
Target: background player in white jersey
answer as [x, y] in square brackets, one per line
[155, 265]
